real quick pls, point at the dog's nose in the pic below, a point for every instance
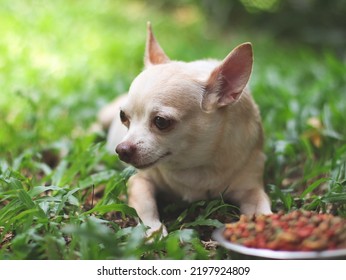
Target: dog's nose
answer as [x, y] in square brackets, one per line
[126, 151]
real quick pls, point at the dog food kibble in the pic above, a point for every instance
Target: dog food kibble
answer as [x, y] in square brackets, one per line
[295, 231]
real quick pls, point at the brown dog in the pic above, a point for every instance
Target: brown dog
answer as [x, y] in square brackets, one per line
[192, 130]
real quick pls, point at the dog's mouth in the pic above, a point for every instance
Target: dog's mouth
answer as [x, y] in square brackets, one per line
[146, 165]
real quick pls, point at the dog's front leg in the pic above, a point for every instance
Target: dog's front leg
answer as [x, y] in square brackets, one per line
[142, 193]
[253, 201]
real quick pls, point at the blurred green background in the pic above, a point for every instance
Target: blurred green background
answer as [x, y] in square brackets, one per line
[74, 56]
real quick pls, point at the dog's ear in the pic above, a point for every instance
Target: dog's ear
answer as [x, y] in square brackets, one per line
[228, 80]
[153, 51]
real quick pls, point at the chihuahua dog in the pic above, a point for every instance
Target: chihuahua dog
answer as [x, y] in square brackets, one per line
[191, 130]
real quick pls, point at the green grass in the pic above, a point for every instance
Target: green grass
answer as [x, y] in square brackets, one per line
[63, 197]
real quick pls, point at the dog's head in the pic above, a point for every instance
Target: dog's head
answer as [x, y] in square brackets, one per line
[173, 109]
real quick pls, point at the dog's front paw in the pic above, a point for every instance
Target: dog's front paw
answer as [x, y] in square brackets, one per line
[257, 202]
[160, 230]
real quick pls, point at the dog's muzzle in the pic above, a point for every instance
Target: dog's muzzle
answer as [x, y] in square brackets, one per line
[126, 151]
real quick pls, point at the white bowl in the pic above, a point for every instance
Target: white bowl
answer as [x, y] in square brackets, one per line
[273, 254]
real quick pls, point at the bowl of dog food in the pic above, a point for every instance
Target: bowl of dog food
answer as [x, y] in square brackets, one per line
[296, 235]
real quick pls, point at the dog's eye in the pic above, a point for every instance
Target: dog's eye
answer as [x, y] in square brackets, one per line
[162, 123]
[123, 117]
